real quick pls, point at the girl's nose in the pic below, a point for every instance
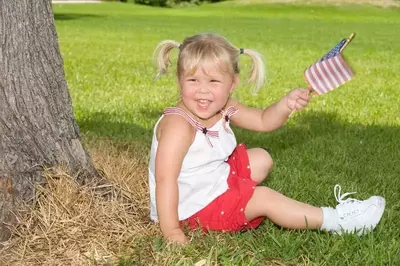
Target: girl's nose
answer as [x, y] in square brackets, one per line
[203, 88]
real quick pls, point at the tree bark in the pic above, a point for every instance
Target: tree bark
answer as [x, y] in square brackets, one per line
[37, 126]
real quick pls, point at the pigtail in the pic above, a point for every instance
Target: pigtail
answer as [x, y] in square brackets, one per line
[161, 55]
[257, 73]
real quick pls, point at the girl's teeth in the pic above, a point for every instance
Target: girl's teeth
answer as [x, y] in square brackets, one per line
[203, 103]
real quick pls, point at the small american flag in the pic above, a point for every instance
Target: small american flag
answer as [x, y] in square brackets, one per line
[330, 71]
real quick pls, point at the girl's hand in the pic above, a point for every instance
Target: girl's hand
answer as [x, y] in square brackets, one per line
[297, 99]
[177, 236]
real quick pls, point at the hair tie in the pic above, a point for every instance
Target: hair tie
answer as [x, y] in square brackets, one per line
[241, 51]
[180, 46]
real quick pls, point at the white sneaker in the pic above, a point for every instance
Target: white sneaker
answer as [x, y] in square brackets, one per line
[356, 216]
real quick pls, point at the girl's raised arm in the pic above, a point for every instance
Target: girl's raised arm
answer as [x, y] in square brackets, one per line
[272, 117]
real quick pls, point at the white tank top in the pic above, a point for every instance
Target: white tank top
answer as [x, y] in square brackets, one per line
[204, 172]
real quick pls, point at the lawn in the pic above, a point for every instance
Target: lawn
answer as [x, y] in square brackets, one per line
[350, 136]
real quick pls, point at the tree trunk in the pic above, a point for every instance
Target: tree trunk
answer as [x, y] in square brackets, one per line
[37, 126]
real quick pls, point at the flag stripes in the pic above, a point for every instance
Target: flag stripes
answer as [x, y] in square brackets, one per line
[324, 76]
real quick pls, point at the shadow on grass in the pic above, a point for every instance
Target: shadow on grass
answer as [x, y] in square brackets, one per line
[319, 143]
[326, 130]
[72, 16]
[316, 136]
[320, 149]
[106, 125]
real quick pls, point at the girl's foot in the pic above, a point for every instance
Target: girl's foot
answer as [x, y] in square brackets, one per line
[352, 215]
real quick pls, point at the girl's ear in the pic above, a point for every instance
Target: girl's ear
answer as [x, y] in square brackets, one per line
[235, 83]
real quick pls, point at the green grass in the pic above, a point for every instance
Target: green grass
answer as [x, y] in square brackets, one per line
[350, 136]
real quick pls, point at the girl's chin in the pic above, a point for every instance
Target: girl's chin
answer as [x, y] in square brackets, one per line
[203, 114]
[204, 111]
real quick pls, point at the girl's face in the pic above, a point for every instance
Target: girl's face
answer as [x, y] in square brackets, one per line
[205, 92]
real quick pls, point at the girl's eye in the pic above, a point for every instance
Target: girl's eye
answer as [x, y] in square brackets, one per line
[214, 80]
[192, 80]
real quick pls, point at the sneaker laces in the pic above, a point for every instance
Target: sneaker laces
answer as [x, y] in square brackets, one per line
[340, 198]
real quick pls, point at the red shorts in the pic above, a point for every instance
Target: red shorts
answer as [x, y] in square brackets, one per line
[226, 212]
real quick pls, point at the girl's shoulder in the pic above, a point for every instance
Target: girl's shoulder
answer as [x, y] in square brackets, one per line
[175, 124]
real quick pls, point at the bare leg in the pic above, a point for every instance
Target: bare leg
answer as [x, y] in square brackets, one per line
[282, 210]
[260, 164]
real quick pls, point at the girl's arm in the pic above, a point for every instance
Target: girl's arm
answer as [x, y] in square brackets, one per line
[272, 117]
[175, 135]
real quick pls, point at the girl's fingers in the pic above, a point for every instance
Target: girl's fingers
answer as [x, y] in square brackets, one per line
[299, 107]
[306, 96]
[301, 102]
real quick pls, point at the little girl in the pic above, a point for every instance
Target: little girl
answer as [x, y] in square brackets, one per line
[200, 177]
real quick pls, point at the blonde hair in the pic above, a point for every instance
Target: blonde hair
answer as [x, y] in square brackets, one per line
[203, 48]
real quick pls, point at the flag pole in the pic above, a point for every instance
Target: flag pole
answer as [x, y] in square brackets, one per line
[352, 35]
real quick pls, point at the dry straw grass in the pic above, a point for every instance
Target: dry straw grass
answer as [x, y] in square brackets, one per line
[70, 224]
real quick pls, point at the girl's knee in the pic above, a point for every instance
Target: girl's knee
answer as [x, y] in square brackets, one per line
[269, 163]
[265, 160]
[261, 164]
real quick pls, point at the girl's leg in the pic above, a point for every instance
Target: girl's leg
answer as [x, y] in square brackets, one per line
[282, 210]
[260, 164]
[269, 203]
[349, 216]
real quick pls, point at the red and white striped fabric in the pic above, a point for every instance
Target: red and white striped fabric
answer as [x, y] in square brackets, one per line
[324, 76]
